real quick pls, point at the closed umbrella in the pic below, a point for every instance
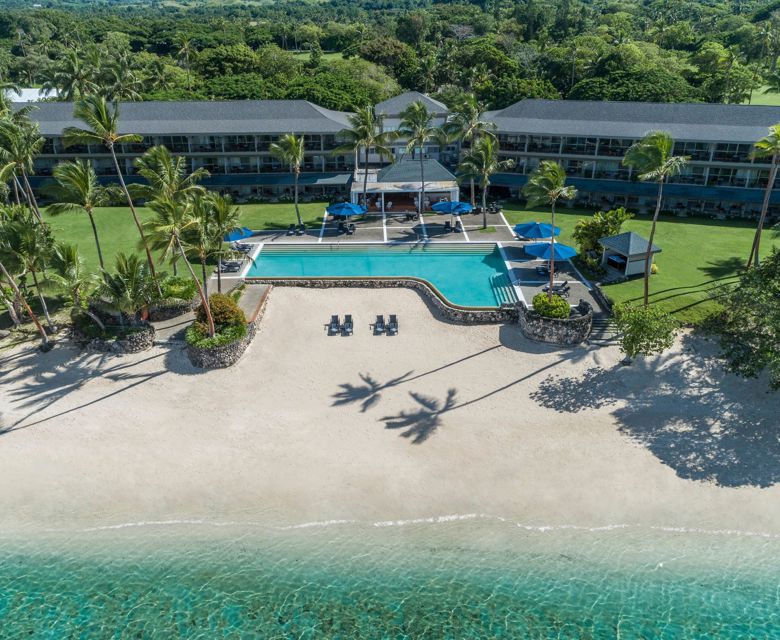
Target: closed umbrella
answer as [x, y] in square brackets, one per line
[543, 250]
[536, 230]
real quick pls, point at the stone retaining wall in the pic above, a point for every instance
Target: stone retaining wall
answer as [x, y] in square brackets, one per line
[564, 331]
[132, 343]
[168, 309]
[453, 313]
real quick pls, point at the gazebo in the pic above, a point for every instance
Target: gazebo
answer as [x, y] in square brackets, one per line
[626, 252]
[403, 181]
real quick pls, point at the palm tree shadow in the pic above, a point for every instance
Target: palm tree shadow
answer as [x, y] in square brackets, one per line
[368, 394]
[421, 423]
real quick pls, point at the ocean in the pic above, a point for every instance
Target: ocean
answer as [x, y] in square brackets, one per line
[451, 577]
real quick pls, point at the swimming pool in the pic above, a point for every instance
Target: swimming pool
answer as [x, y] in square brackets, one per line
[467, 275]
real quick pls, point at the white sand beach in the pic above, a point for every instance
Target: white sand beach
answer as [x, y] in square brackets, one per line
[440, 420]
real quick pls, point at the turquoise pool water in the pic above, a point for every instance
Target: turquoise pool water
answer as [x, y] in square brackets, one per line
[348, 581]
[470, 276]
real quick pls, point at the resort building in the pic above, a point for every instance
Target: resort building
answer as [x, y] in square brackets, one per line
[231, 139]
[589, 139]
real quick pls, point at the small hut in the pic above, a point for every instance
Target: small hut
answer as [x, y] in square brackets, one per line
[626, 253]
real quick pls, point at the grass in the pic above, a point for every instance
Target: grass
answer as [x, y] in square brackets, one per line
[699, 256]
[118, 233]
[760, 98]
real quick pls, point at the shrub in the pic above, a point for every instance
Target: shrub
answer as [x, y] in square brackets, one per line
[224, 310]
[179, 288]
[555, 308]
[197, 335]
[644, 330]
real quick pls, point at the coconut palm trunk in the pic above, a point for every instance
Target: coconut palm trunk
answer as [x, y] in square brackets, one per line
[138, 225]
[20, 297]
[16, 191]
[97, 239]
[295, 187]
[31, 197]
[471, 192]
[365, 181]
[203, 300]
[649, 254]
[754, 250]
[219, 273]
[9, 304]
[422, 183]
[40, 297]
[205, 277]
[552, 252]
[484, 204]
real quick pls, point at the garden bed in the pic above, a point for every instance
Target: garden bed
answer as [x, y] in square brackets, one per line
[117, 340]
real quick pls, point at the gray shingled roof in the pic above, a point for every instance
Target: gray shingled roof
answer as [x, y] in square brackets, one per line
[628, 244]
[705, 122]
[394, 106]
[409, 171]
[189, 117]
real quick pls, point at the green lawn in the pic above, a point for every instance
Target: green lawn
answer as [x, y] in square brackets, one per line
[698, 257]
[767, 99]
[118, 233]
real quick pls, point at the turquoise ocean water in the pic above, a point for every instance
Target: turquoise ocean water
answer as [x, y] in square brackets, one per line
[467, 275]
[465, 579]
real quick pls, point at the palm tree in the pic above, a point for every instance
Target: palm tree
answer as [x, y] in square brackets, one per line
[547, 185]
[77, 190]
[184, 52]
[465, 124]
[290, 150]
[45, 344]
[767, 147]
[365, 133]
[72, 77]
[418, 129]
[225, 217]
[129, 288]
[20, 142]
[69, 272]
[102, 123]
[652, 158]
[480, 163]
[173, 220]
[166, 176]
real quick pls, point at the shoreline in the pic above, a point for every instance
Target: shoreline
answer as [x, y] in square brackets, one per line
[441, 420]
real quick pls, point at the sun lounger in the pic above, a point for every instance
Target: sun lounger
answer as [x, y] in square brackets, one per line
[333, 326]
[348, 325]
[447, 226]
[392, 325]
[291, 230]
[542, 270]
[379, 325]
[342, 228]
[351, 229]
[300, 230]
[458, 227]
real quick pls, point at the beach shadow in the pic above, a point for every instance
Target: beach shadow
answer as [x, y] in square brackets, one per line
[703, 423]
[368, 393]
[420, 423]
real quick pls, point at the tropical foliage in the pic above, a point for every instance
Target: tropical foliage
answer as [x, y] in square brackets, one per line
[644, 330]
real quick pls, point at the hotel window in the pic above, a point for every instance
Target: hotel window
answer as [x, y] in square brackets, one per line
[544, 144]
[511, 142]
[732, 153]
[614, 146]
[239, 143]
[206, 144]
[579, 146]
[696, 150]
[690, 175]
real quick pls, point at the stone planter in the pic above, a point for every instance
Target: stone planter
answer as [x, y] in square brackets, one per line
[452, 313]
[563, 331]
[225, 355]
[132, 343]
[168, 309]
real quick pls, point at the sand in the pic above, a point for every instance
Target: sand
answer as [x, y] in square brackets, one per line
[441, 420]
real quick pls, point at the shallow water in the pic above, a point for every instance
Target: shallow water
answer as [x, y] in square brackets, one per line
[472, 275]
[444, 579]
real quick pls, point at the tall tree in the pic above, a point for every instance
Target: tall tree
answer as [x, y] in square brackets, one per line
[166, 176]
[480, 163]
[45, 343]
[417, 129]
[225, 216]
[77, 190]
[653, 161]
[20, 142]
[365, 133]
[68, 271]
[465, 124]
[290, 149]
[102, 121]
[547, 185]
[184, 50]
[71, 77]
[767, 147]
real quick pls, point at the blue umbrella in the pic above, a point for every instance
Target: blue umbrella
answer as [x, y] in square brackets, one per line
[452, 207]
[542, 250]
[346, 209]
[239, 234]
[536, 230]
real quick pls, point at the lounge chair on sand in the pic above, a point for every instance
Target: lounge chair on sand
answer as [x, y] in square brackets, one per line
[348, 325]
[379, 325]
[333, 326]
[392, 325]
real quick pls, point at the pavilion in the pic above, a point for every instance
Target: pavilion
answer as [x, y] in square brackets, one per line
[626, 252]
[401, 184]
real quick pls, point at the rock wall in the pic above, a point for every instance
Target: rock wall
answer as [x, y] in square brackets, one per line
[132, 343]
[564, 331]
[167, 309]
[453, 313]
[223, 356]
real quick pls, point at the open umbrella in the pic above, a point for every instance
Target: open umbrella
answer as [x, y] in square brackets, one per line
[536, 230]
[452, 207]
[239, 234]
[346, 209]
[542, 250]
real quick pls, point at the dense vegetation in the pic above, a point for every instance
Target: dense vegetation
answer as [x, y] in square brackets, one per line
[661, 50]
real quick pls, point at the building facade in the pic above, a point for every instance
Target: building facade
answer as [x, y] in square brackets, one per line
[231, 139]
